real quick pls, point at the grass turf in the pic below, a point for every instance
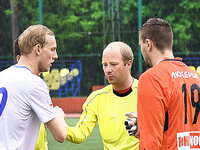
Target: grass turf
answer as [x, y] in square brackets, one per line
[93, 142]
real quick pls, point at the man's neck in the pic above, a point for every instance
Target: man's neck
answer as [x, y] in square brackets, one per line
[125, 85]
[158, 57]
[29, 63]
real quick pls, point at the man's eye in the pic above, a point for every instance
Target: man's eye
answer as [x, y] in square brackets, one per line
[104, 65]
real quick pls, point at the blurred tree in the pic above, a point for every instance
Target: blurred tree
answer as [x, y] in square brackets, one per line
[184, 18]
[75, 24]
[14, 19]
[5, 29]
[186, 26]
[86, 26]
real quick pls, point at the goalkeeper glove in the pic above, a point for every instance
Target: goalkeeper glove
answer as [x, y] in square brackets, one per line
[131, 124]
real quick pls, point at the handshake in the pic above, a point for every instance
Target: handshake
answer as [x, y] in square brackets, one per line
[131, 124]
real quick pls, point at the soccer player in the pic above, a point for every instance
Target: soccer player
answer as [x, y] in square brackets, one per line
[42, 143]
[168, 93]
[107, 106]
[25, 100]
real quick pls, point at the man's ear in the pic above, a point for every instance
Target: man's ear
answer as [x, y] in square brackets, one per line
[129, 63]
[37, 49]
[149, 44]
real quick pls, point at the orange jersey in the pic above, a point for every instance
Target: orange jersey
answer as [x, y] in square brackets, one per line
[168, 107]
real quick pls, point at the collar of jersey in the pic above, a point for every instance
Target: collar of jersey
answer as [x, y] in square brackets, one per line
[22, 67]
[172, 59]
[124, 94]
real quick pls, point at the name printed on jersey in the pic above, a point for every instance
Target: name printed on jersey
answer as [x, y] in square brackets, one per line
[188, 140]
[183, 74]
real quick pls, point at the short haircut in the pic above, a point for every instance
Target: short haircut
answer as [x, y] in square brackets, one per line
[159, 31]
[126, 51]
[33, 35]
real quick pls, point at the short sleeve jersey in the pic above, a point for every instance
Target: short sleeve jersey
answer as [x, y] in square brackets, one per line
[168, 107]
[25, 103]
[107, 108]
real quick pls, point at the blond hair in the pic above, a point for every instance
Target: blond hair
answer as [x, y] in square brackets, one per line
[33, 35]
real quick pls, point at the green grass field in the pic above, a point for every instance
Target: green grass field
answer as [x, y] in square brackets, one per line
[93, 142]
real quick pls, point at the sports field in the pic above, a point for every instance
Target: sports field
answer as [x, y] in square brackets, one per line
[93, 142]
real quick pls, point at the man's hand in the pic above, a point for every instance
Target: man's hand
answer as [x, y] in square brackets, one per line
[131, 124]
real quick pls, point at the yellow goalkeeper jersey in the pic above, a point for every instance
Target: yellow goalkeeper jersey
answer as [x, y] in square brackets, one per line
[108, 109]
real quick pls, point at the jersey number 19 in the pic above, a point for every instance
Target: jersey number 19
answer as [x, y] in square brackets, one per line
[195, 102]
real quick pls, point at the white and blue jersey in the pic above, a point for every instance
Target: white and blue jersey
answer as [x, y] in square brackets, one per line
[24, 103]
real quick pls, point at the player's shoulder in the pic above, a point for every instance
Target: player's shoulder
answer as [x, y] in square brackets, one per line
[157, 72]
[7, 70]
[148, 72]
[97, 95]
[104, 90]
[34, 81]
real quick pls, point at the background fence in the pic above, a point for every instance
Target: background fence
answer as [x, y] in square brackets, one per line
[76, 75]
[84, 27]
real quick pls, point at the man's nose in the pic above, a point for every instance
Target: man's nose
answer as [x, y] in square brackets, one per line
[55, 55]
[108, 68]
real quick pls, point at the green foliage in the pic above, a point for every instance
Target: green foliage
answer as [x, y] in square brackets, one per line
[5, 28]
[184, 18]
[129, 11]
[78, 24]
[8, 12]
[87, 26]
[72, 22]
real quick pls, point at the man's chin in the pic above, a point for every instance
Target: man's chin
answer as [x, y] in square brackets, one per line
[110, 81]
[45, 70]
